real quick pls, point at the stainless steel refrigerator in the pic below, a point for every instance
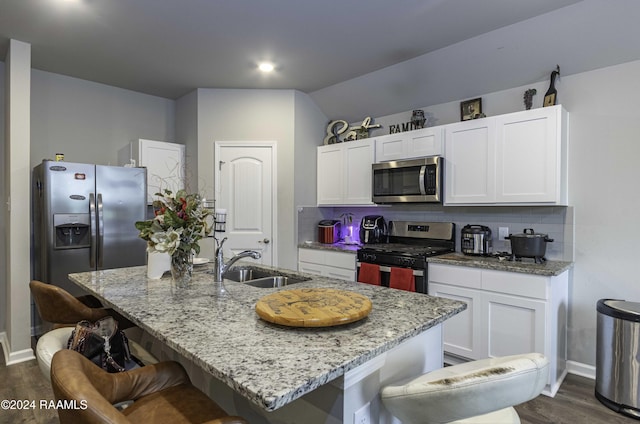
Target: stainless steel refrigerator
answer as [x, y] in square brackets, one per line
[83, 219]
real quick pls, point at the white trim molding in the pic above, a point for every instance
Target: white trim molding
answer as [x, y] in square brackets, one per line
[12, 358]
[583, 370]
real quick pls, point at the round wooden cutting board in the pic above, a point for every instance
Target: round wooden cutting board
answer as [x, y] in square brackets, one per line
[313, 307]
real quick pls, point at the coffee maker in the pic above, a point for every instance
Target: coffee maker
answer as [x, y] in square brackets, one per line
[373, 229]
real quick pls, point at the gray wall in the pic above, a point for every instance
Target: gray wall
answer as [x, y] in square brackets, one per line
[88, 122]
[284, 116]
[91, 122]
[603, 194]
[187, 134]
[247, 115]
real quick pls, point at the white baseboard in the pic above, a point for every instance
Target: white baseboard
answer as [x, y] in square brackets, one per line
[4, 342]
[583, 370]
[11, 358]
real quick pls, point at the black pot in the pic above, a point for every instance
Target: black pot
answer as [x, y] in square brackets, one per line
[529, 244]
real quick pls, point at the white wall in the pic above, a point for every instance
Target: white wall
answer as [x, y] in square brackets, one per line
[16, 341]
[3, 227]
[90, 122]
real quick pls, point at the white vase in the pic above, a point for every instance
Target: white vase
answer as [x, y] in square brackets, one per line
[157, 264]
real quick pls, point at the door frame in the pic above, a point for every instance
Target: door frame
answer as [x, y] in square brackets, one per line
[274, 183]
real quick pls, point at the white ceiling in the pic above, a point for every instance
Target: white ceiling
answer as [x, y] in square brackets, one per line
[170, 47]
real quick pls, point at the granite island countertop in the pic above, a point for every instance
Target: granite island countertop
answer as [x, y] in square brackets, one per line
[547, 268]
[215, 326]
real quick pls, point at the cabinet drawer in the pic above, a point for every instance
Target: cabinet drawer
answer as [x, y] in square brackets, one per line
[455, 275]
[340, 273]
[340, 260]
[311, 255]
[310, 268]
[513, 283]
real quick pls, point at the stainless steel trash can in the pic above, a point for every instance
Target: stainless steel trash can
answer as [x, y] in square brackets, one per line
[618, 356]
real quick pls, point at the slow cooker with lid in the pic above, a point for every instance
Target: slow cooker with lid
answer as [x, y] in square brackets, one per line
[476, 240]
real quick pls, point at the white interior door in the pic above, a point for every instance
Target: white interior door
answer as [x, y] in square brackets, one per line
[245, 182]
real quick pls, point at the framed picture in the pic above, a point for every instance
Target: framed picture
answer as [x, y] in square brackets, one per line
[470, 109]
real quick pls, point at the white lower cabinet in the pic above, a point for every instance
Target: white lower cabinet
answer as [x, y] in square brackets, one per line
[507, 314]
[340, 265]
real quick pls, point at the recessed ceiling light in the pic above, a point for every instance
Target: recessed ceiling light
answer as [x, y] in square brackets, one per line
[266, 67]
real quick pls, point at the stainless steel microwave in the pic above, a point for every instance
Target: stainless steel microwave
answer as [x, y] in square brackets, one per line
[413, 180]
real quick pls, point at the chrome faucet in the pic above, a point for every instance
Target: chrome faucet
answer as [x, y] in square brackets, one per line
[220, 267]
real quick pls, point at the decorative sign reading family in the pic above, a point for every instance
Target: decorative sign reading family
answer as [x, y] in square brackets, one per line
[418, 120]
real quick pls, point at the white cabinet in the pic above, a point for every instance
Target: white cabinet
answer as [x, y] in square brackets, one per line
[164, 162]
[517, 158]
[344, 173]
[410, 144]
[530, 157]
[470, 162]
[461, 336]
[507, 313]
[340, 265]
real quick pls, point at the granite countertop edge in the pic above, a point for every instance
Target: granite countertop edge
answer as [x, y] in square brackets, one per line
[336, 247]
[549, 268]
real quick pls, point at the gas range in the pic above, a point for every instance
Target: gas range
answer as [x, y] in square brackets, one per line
[410, 244]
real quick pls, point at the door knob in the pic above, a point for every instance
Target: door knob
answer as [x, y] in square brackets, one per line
[265, 241]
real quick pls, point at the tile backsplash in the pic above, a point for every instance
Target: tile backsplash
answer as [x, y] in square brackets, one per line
[556, 221]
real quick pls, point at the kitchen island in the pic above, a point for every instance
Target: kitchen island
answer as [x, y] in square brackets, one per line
[271, 373]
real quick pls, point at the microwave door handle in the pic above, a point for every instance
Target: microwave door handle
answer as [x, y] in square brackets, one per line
[423, 171]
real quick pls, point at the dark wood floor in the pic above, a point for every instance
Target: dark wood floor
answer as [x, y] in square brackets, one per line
[573, 404]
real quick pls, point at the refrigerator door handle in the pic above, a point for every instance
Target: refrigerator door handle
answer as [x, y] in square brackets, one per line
[92, 226]
[100, 232]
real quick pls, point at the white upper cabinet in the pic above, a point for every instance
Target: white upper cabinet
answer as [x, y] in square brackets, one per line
[518, 158]
[529, 157]
[470, 162]
[344, 173]
[165, 165]
[410, 144]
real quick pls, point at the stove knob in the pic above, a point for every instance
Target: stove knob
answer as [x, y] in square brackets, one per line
[369, 257]
[408, 262]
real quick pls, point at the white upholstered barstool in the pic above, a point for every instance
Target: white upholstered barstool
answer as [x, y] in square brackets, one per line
[52, 341]
[483, 391]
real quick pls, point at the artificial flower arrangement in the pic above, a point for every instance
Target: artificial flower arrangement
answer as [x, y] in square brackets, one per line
[180, 221]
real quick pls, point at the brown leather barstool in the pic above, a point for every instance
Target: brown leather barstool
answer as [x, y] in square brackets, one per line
[161, 393]
[58, 307]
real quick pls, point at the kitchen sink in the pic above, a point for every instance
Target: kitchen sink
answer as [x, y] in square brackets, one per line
[262, 278]
[275, 281]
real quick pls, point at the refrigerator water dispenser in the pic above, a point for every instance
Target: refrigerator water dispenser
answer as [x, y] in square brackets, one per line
[72, 230]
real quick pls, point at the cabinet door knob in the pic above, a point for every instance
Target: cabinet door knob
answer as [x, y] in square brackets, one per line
[265, 241]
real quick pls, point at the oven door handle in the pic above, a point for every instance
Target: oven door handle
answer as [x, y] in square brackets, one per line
[416, 272]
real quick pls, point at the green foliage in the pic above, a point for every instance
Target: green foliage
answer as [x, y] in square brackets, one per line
[180, 221]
